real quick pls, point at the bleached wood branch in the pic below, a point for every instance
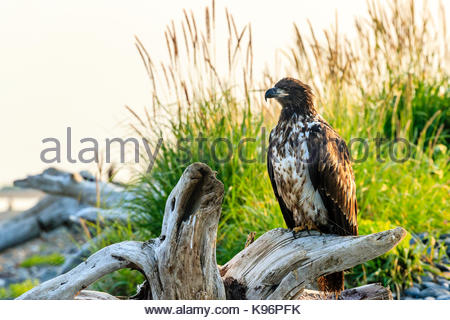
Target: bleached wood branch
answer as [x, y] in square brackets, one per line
[109, 259]
[181, 263]
[94, 295]
[78, 257]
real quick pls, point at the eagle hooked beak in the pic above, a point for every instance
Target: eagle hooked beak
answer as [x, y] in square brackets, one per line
[275, 93]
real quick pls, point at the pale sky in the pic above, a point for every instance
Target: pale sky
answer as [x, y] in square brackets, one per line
[74, 63]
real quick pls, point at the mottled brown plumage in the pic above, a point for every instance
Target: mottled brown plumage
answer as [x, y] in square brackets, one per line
[310, 170]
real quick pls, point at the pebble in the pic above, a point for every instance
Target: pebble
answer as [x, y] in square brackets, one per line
[432, 292]
[412, 292]
[57, 240]
[444, 236]
[433, 285]
[71, 250]
[427, 278]
[422, 236]
[446, 286]
[444, 283]
[47, 274]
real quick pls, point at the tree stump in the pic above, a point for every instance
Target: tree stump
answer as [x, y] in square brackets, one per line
[181, 262]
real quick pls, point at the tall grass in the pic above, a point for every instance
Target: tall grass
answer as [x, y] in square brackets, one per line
[389, 81]
[207, 112]
[392, 77]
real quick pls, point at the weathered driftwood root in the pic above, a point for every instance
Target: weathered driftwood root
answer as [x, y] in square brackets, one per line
[278, 265]
[181, 263]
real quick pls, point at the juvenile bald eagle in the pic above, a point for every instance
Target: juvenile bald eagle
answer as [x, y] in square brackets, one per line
[310, 170]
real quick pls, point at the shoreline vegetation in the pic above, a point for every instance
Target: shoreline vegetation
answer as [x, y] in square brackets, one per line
[391, 79]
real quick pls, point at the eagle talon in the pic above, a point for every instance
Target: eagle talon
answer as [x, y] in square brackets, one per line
[295, 231]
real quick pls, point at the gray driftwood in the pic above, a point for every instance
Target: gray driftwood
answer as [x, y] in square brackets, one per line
[71, 197]
[181, 263]
[76, 185]
[50, 213]
[101, 215]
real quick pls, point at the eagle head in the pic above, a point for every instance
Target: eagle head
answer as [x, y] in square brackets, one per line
[292, 94]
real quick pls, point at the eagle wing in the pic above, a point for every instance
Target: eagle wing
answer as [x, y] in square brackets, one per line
[332, 175]
[287, 214]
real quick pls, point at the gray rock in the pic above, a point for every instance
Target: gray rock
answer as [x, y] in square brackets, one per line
[22, 273]
[34, 270]
[430, 298]
[444, 284]
[432, 292]
[416, 285]
[428, 284]
[409, 298]
[444, 297]
[412, 292]
[422, 235]
[7, 273]
[444, 236]
[71, 250]
[14, 280]
[47, 275]
[427, 277]
[439, 278]
[415, 239]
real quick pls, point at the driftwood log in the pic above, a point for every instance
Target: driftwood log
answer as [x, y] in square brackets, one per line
[181, 262]
[70, 197]
[49, 213]
[81, 186]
